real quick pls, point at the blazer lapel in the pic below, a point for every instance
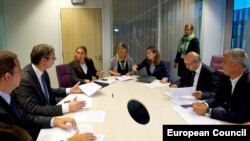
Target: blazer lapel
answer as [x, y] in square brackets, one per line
[37, 84]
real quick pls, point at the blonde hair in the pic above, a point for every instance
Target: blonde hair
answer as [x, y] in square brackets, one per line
[121, 46]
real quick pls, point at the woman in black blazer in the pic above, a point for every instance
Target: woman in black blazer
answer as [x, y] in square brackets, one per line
[154, 65]
[82, 68]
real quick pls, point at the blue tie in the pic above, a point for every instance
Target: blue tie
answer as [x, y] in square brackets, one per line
[45, 89]
[14, 108]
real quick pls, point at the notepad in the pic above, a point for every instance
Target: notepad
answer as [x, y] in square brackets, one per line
[90, 88]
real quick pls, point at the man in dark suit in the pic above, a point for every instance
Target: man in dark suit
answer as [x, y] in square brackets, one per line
[200, 76]
[11, 113]
[35, 94]
[231, 102]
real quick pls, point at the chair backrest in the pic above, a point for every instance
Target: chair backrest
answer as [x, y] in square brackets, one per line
[63, 76]
[168, 67]
[216, 62]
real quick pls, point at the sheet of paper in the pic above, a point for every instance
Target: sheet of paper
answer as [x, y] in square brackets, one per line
[184, 92]
[80, 97]
[56, 134]
[192, 118]
[90, 88]
[106, 80]
[89, 116]
[124, 78]
[155, 84]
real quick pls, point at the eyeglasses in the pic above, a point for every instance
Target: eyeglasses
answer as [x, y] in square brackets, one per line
[188, 64]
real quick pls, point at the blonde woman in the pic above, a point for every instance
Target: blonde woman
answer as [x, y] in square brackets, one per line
[121, 63]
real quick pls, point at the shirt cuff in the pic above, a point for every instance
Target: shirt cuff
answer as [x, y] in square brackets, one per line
[65, 108]
[67, 91]
[51, 122]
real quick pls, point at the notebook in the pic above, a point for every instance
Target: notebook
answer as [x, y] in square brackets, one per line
[146, 78]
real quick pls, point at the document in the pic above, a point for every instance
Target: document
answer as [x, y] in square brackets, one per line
[185, 92]
[182, 96]
[90, 88]
[192, 118]
[156, 84]
[106, 80]
[89, 116]
[79, 97]
[57, 134]
[124, 78]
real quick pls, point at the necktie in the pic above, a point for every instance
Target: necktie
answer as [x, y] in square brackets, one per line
[14, 108]
[193, 75]
[45, 89]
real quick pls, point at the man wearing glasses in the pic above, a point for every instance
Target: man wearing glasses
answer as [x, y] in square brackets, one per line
[200, 76]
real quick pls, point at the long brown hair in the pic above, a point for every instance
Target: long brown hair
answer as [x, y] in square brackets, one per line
[77, 62]
[156, 60]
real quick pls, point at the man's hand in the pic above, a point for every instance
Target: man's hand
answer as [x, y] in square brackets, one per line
[200, 108]
[65, 123]
[82, 137]
[75, 88]
[75, 105]
[197, 94]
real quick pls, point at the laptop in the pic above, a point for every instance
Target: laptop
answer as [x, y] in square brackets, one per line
[146, 78]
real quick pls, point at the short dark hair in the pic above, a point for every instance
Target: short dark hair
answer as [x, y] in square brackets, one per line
[40, 51]
[190, 26]
[7, 61]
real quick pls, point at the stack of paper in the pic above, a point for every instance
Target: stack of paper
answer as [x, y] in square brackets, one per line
[79, 97]
[90, 88]
[192, 118]
[56, 134]
[155, 84]
[105, 80]
[124, 77]
[89, 116]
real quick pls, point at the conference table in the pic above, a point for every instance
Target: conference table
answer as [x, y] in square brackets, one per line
[118, 125]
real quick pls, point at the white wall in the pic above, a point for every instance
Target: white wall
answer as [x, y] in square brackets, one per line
[32, 22]
[212, 29]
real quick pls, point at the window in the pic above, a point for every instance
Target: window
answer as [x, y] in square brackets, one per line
[241, 25]
[141, 23]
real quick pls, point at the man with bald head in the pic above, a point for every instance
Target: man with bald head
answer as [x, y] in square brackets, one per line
[200, 76]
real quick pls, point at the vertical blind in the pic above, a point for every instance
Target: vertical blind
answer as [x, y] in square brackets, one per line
[136, 22]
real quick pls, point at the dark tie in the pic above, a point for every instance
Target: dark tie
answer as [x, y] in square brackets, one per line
[192, 78]
[193, 75]
[45, 89]
[14, 107]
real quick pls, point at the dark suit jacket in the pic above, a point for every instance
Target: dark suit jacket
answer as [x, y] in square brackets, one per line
[32, 124]
[236, 106]
[159, 72]
[207, 81]
[77, 74]
[31, 97]
[193, 46]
